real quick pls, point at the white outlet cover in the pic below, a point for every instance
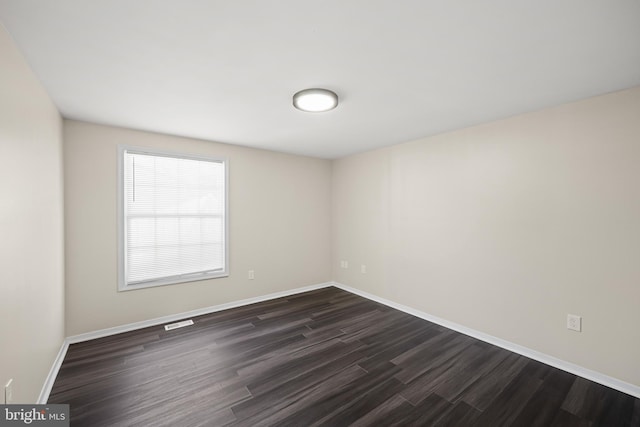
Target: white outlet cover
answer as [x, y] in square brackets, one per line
[574, 322]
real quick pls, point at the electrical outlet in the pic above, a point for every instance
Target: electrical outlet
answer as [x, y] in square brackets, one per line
[8, 392]
[363, 269]
[344, 264]
[251, 275]
[574, 322]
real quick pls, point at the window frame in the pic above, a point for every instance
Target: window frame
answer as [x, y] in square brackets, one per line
[122, 246]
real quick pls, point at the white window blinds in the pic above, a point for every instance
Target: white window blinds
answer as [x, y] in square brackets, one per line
[173, 219]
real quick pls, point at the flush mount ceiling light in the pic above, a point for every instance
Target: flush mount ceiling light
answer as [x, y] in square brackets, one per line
[315, 100]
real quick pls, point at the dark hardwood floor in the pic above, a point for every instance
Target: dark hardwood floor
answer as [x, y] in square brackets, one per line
[325, 357]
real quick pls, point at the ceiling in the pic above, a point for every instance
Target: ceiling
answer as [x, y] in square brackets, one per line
[226, 70]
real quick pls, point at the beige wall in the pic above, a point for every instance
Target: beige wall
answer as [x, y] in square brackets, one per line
[31, 234]
[279, 218]
[507, 227]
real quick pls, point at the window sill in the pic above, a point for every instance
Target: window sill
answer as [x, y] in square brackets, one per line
[123, 287]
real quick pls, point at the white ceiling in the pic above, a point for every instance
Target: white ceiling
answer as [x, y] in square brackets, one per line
[226, 70]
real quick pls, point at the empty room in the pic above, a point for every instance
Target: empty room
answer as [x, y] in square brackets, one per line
[296, 213]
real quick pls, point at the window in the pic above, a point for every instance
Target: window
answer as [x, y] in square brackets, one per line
[172, 218]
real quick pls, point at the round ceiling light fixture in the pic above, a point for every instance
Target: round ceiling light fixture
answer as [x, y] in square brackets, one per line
[315, 100]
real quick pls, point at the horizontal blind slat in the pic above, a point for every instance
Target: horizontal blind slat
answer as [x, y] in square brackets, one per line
[175, 223]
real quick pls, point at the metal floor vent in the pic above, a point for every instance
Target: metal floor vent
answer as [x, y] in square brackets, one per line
[177, 325]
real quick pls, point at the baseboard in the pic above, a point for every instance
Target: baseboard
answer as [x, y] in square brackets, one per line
[55, 368]
[594, 376]
[580, 371]
[199, 312]
[53, 373]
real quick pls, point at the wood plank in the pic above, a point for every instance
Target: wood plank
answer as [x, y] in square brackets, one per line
[325, 357]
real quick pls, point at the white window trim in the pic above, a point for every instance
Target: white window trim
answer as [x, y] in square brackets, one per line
[122, 284]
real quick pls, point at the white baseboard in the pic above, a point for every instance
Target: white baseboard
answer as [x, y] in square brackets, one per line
[580, 371]
[199, 312]
[597, 377]
[53, 373]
